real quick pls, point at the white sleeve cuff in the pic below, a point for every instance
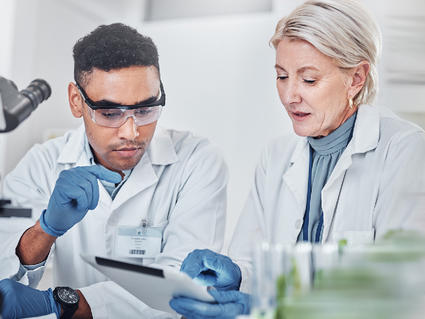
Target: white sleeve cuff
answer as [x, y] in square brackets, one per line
[108, 300]
[96, 301]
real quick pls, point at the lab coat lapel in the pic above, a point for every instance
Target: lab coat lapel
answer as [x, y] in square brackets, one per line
[365, 138]
[73, 152]
[296, 177]
[332, 190]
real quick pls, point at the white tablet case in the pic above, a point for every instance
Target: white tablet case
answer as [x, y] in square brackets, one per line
[154, 286]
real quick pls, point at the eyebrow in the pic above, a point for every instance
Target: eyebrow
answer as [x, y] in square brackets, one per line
[110, 103]
[304, 68]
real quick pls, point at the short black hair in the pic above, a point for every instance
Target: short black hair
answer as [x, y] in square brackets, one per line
[110, 47]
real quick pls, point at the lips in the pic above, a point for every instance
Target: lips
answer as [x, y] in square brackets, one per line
[127, 151]
[300, 116]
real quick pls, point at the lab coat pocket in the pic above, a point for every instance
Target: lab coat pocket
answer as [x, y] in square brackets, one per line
[355, 237]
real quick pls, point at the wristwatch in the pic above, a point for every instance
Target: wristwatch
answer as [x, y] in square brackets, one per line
[68, 298]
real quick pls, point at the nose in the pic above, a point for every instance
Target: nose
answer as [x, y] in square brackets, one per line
[128, 130]
[289, 92]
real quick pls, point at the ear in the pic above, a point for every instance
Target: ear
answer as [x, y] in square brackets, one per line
[75, 100]
[358, 78]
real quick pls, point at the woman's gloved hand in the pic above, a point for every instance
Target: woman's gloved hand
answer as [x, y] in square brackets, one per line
[20, 301]
[212, 269]
[230, 304]
[75, 193]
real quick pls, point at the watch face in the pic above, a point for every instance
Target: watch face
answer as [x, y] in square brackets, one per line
[68, 295]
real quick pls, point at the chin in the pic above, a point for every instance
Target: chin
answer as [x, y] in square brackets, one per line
[128, 165]
[302, 131]
[124, 165]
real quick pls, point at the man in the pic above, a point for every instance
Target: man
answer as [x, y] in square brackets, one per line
[113, 175]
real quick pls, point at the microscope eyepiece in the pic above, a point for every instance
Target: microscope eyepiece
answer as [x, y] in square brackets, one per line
[16, 106]
[37, 92]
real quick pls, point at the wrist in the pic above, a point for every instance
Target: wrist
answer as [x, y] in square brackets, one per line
[84, 310]
[38, 228]
[48, 229]
[67, 301]
[56, 307]
[34, 245]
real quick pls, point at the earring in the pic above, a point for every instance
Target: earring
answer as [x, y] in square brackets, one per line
[350, 103]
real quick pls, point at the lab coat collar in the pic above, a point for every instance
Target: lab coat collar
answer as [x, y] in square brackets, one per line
[73, 151]
[366, 130]
[161, 148]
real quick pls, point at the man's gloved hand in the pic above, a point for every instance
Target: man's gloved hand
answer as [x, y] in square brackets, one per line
[20, 301]
[212, 269]
[229, 305]
[76, 192]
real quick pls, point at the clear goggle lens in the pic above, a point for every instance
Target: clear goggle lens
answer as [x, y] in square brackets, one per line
[116, 117]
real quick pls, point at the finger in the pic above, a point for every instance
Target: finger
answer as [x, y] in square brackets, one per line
[207, 278]
[223, 296]
[84, 201]
[194, 308]
[81, 195]
[199, 259]
[217, 262]
[193, 264]
[94, 192]
[89, 184]
[73, 197]
[102, 173]
[240, 301]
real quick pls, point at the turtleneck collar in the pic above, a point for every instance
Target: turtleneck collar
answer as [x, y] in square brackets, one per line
[335, 141]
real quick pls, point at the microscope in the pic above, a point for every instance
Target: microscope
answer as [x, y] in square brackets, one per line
[15, 107]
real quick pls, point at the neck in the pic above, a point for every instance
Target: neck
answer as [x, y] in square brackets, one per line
[347, 114]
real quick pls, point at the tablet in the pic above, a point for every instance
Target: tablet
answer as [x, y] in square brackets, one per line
[154, 286]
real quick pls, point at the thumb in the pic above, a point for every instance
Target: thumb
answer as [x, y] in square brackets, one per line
[233, 302]
[224, 296]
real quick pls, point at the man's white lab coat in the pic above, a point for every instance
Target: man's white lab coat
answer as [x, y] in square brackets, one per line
[179, 184]
[377, 185]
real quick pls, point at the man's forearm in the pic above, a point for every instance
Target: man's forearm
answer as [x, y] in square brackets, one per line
[34, 245]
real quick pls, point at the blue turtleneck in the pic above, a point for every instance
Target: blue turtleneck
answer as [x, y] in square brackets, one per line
[324, 154]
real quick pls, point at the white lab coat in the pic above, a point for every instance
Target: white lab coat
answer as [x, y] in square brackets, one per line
[373, 188]
[179, 184]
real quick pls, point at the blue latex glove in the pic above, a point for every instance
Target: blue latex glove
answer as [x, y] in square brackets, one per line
[20, 301]
[212, 269]
[76, 192]
[229, 305]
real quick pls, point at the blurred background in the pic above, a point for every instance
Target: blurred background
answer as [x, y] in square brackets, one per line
[216, 66]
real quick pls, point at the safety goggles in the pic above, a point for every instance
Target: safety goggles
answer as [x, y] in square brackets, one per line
[106, 114]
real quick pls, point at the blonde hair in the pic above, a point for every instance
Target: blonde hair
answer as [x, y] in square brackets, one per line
[340, 29]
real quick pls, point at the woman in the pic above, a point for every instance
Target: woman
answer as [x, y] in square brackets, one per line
[347, 171]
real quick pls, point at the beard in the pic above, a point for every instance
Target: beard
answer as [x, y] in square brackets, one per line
[112, 161]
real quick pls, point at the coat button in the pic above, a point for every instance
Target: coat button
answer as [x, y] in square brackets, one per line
[298, 223]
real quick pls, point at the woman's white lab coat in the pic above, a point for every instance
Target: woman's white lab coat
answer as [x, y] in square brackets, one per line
[373, 188]
[179, 184]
